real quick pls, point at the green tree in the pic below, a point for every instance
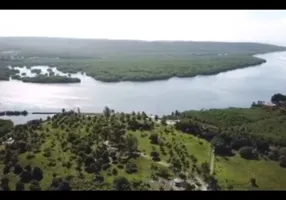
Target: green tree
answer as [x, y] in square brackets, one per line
[276, 98]
[131, 143]
[5, 183]
[154, 138]
[35, 186]
[164, 121]
[205, 168]
[19, 186]
[156, 118]
[107, 112]
[37, 173]
[247, 152]
[121, 183]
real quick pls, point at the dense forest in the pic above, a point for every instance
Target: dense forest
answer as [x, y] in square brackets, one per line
[123, 60]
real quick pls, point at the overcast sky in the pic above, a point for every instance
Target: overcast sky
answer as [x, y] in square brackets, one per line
[199, 25]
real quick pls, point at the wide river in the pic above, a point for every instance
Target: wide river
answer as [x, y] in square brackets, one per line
[237, 88]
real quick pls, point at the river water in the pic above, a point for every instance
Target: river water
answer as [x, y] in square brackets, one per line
[237, 88]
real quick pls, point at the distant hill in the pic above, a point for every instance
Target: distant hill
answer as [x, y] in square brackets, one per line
[96, 47]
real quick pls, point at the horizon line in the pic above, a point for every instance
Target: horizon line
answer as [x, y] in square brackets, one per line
[145, 40]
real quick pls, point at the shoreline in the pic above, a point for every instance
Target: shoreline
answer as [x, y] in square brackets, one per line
[151, 79]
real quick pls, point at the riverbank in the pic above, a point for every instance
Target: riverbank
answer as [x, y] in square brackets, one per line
[142, 70]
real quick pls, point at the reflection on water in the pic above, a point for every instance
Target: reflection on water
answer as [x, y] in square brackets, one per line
[237, 88]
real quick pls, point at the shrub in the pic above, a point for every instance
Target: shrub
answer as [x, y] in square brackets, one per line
[163, 172]
[120, 166]
[18, 169]
[282, 161]
[64, 186]
[189, 186]
[253, 182]
[220, 145]
[121, 183]
[30, 156]
[182, 176]
[114, 172]
[155, 156]
[55, 182]
[247, 152]
[6, 169]
[25, 176]
[273, 155]
[130, 168]
[105, 166]
[154, 139]
[5, 183]
[19, 186]
[37, 173]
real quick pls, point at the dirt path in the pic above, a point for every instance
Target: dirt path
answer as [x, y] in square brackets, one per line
[212, 162]
[160, 162]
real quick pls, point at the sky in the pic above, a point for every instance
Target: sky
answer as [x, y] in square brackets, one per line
[268, 26]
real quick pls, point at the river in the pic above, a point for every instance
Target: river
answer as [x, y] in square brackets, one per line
[237, 88]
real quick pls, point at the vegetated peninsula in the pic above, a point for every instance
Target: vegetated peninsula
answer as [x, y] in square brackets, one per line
[125, 60]
[50, 79]
[217, 149]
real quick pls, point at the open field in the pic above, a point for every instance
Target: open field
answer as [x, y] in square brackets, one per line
[236, 172]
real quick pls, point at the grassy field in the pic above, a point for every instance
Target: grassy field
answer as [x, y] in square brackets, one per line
[52, 138]
[195, 146]
[237, 172]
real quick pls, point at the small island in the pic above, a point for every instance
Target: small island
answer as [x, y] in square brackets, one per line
[50, 79]
[13, 113]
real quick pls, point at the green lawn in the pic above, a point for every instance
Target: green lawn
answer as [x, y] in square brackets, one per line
[195, 146]
[237, 172]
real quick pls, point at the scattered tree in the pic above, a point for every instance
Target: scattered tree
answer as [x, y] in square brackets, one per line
[121, 183]
[19, 186]
[37, 174]
[248, 152]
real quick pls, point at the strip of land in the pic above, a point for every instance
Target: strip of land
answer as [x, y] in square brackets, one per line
[114, 61]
